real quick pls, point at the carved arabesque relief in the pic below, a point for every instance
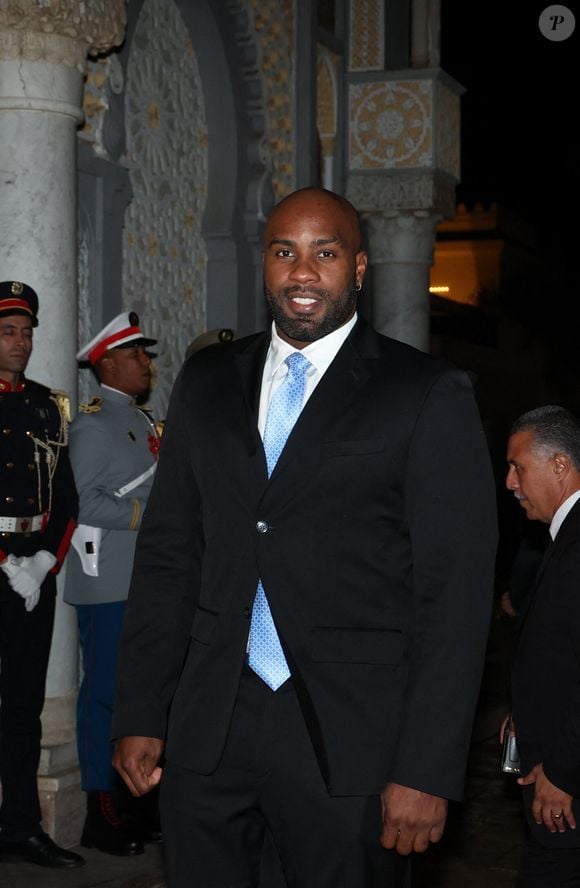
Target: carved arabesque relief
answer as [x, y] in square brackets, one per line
[164, 261]
[98, 23]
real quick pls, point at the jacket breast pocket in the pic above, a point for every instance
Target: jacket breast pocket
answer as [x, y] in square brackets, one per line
[204, 625]
[357, 447]
[335, 644]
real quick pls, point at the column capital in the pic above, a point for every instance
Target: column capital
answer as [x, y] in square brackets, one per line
[62, 34]
[401, 236]
[415, 191]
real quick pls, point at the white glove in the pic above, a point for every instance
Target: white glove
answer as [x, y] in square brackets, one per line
[29, 575]
[11, 565]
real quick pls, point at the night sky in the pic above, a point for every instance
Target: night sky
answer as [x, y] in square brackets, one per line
[518, 113]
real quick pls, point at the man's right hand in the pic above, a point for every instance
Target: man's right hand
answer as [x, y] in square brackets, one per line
[135, 759]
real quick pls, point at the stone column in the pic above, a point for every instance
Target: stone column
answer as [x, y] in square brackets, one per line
[43, 52]
[401, 253]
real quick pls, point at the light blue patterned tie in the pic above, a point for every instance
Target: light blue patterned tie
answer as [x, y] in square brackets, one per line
[266, 656]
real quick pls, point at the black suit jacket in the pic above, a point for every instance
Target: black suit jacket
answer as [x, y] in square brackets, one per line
[546, 672]
[377, 563]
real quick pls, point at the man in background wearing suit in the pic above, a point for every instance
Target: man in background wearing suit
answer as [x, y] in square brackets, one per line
[113, 453]
[309, 606]
[544, 474]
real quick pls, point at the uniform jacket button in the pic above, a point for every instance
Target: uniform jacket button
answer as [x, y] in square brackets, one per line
[262, 526]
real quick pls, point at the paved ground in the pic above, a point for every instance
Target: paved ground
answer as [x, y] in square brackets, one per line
[480, 849]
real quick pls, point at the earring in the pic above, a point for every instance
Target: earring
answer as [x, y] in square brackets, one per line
[358, 288]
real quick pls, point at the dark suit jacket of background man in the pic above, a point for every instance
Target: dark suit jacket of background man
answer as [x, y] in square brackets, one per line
[377, 559]
[546, 675]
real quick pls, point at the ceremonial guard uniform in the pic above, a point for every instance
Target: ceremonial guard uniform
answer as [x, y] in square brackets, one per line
[39, 509]
[113, 448]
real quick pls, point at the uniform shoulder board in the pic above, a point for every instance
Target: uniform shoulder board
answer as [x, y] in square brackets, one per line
[92, 406]
[62, 402]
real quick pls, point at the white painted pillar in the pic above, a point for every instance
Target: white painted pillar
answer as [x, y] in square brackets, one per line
[43, 52]
[40, 108]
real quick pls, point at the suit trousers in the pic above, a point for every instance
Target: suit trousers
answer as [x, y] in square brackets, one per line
[99, 630]
[547, 867]
[25, 639]
[268, 788]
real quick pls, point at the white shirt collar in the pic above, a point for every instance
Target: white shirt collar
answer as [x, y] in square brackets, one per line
[321, 353]
[562, 512]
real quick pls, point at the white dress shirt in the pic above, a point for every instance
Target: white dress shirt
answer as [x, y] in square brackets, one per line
[561, 513]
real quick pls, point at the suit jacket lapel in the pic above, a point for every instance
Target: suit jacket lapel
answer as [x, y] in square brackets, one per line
[567, 529]
[250, 366]
[529, 599]
[340, 384]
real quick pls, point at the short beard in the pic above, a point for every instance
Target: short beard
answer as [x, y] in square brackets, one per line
[308, 329]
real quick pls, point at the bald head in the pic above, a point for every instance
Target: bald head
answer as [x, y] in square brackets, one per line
[312, 200]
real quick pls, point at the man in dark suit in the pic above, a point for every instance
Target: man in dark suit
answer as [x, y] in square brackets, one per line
[351, 568]
[544, 475]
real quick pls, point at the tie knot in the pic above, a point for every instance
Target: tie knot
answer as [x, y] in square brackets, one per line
[297, 364]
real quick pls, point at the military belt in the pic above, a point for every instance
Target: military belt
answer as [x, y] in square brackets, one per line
[28, 524]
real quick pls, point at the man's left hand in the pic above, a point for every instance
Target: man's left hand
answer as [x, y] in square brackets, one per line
[551, 806]
[411, 819]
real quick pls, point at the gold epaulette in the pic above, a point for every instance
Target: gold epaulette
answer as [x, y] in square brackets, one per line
[62, 401]
[93, 406]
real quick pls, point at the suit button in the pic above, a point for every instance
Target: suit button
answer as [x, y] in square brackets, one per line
[247, 612]
[6, 431]
[262, 527]
[8, 499]
[9, 465]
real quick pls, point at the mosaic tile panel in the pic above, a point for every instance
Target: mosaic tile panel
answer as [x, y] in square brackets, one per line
[274, 23]
[367, 27]
[391, 125]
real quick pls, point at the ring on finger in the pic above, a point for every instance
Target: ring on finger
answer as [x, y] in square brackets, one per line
[556, 816]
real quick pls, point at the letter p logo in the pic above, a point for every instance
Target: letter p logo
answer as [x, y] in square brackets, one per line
[557, 23]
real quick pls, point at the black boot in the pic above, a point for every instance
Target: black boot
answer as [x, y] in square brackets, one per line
[104, 829]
